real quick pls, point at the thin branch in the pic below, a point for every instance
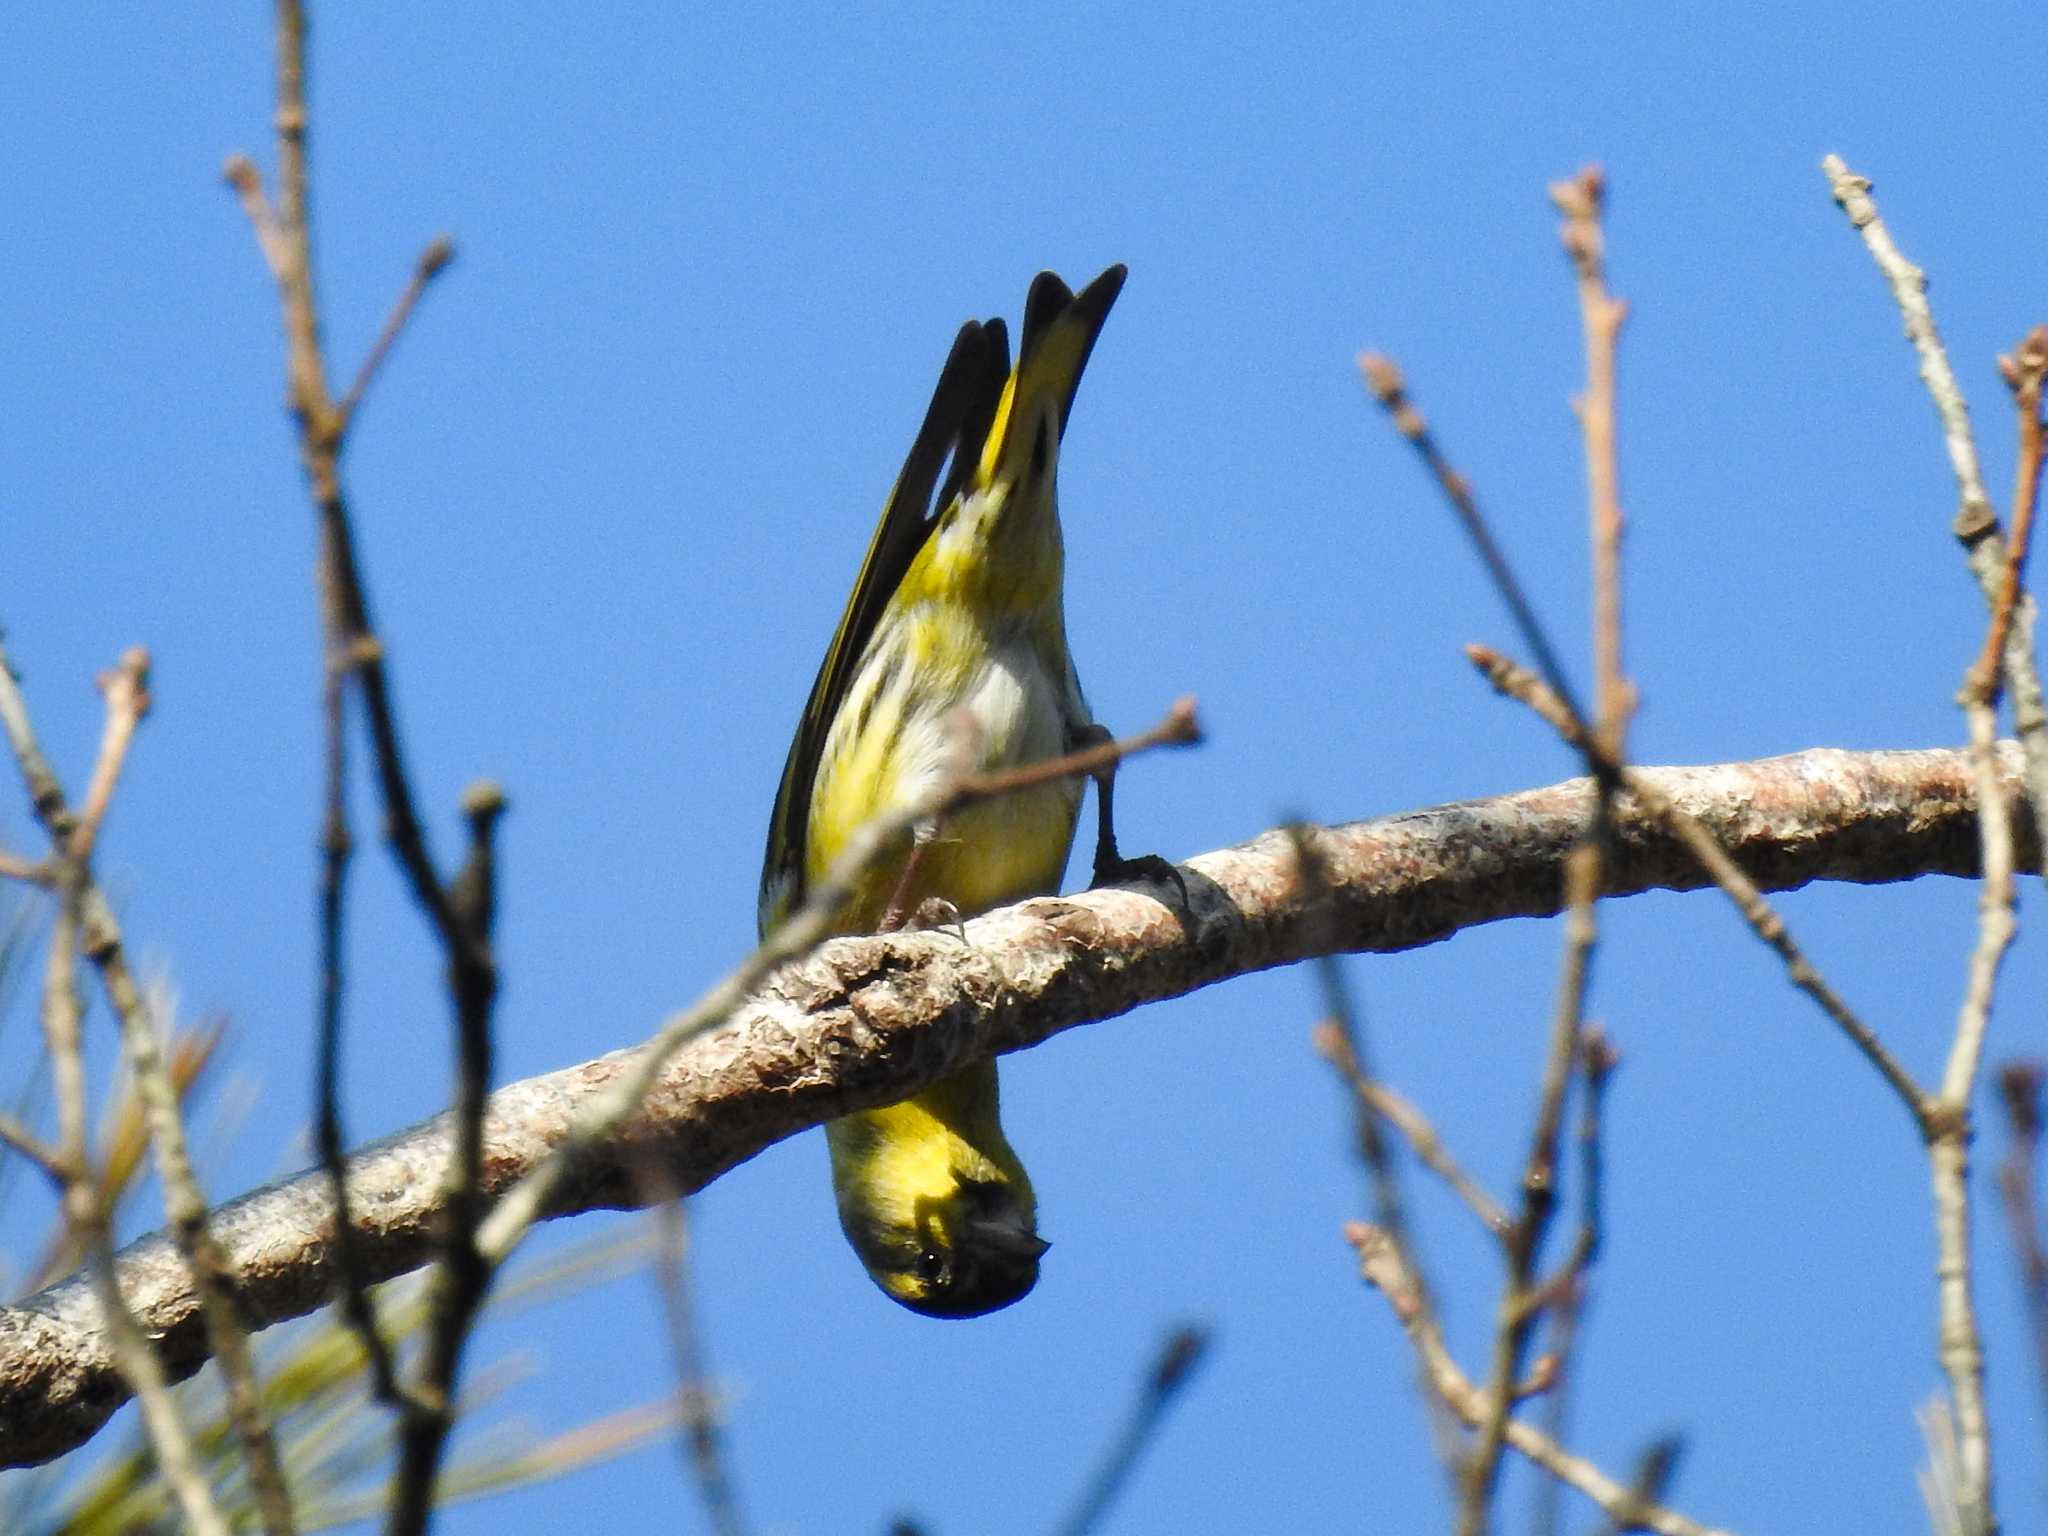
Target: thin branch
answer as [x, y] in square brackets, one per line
[85, 1212]
[2023, 372]
[1567, 1291]
[1976, 525]
[1178, 1356]
[1523, 686]
[1340, 1038]
[1974, 515]
[1960, 1345]
[246, 181]
[698, 1409]
[126, 688]
[1655, 1469]
[465, 1274]
[330, 1138]
[286, 240]
[354, 651]
[91, 924]
[2019, 1086]
[1178, 727]
[1381, 1267]
[867, 1021]
[45, 794]
[1422, 1138]
[25, 1143]
[1581, 200]
[1387, 385]
[439, 252]
[1521, 1306]
[28, 871]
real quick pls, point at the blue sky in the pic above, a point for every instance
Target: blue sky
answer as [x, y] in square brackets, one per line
[614, 485]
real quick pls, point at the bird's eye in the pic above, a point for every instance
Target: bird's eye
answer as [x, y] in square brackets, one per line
[931, 1265]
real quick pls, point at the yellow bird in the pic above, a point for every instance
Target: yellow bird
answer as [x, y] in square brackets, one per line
[957, 607]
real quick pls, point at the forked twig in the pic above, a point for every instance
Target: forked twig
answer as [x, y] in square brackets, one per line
[1581, 201]
[1382, 1269]
[82, 923]
[355, 654]
[1976, 524]
[1523, 686]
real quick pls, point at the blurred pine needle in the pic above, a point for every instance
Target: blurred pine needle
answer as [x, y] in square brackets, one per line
[335, 1440]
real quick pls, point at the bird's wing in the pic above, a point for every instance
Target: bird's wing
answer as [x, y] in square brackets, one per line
[963, 405]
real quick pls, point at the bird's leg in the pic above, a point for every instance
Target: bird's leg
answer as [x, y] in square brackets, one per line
[1111, 867]
[933, 911]
[898, 912]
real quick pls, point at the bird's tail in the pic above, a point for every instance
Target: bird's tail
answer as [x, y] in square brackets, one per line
[1060, 327]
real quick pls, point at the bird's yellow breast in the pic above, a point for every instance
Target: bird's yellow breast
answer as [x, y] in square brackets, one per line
[894, 738]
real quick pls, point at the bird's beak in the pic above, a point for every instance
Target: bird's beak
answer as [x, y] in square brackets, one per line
[1007, 1233]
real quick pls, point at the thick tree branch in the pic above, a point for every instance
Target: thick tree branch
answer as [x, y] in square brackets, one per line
[866, 1021]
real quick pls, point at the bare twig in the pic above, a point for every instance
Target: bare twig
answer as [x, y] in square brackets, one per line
[2019, 1086]
[1568, 1290]
[285, 237]
[85, 1213]
[355, 652]
[1521, 1305]
[1525, 687]
[91, 925]
[439, 252]
[1334, 1047]
[1341, 1040]
[867, 1021]
[1178, 1356]
[1580, 199]
[25, 1143]
[29, 871]
[337, 846]
[1960, 1346]
[465, 1274]
[1178, 727]
[2023, 372]
[2008, 649]
[1654, 1470]
[697, 1406]
[1976, 525]
[1974, 516]
[126, 688]
[1381, 1267]
[1385, 382]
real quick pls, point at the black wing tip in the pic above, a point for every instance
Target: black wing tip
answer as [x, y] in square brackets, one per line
[1093, 302]
[985, 370]
[1090, 307]
[1110, 279]
[1050, 298]
[1046, 301]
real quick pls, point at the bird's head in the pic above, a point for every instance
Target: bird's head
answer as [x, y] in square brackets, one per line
[942, 1227]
